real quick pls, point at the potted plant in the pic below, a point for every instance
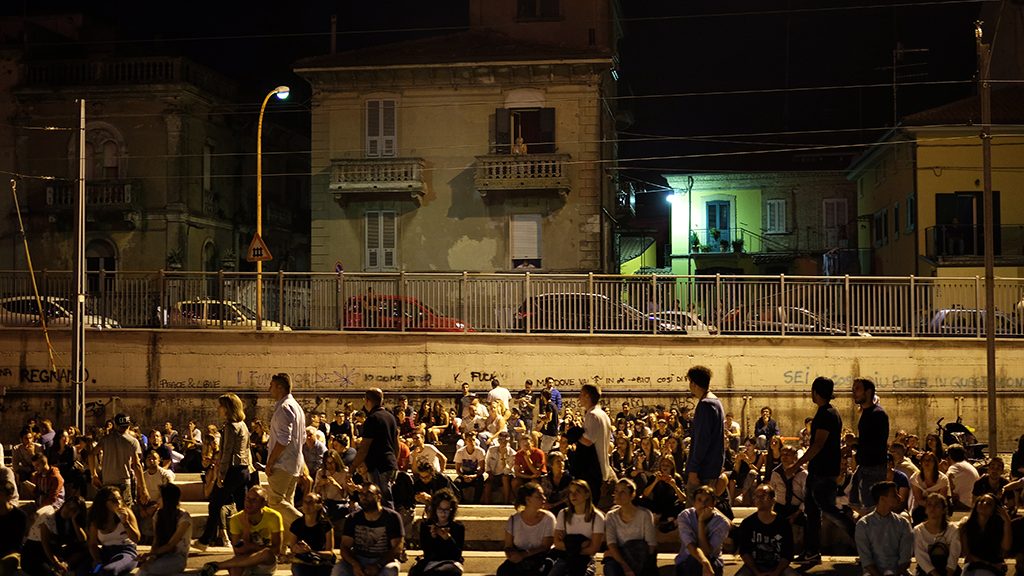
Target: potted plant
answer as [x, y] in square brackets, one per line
[694, 242]
[737, 245]
[715, 233]
[724, 244]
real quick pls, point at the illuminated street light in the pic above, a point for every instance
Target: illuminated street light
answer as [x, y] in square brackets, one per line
[281, 92]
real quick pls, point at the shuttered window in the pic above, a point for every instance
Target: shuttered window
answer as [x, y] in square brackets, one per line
[776, 216]
[381, 240]
[834, 222]
[526, 240]
[380, 128]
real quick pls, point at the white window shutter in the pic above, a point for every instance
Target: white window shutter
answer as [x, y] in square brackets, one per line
[388, 122]
[776, 210]
[526, 236]
[389, 225]
[373, 128]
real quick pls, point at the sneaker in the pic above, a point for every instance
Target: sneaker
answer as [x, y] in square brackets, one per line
[200, 545]
[810, 559]
[209, 569]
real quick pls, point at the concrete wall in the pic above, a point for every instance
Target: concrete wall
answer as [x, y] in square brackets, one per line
[176, 375]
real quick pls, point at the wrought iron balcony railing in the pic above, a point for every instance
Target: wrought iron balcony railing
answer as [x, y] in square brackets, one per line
[98, 193]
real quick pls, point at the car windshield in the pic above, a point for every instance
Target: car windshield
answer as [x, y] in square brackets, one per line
[66, 305]
[246, 312]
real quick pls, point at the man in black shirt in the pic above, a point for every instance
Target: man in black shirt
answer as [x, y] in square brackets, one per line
[371, 539]
[765, 539]
[378, 447]
[824, 459]
[872, 440]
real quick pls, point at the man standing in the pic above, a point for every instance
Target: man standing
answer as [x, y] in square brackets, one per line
[592, 463]
[824, 457]
[872, 439]
[119, 463]
[707, 445]
[499, 392]
[371, 540]
[256, 537]
[885, 540]
[556, 396]
[378, 448]
[765, 539]
[284, 460]
[547, 421]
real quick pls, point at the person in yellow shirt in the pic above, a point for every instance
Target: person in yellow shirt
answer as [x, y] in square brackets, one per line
[255, 536]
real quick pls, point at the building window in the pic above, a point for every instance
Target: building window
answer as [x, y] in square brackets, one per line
[537, 9]
[526, 241]
[207, 167]
[834, 221]
[380, 128]
[110, 163]
[896, 221]
[911, 213]
[880, 227]
[536, 126]
[381, 240]
[776, 216]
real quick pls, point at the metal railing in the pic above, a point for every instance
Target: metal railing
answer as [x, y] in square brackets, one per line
[951, 241]
[97, 193]
[531, 303]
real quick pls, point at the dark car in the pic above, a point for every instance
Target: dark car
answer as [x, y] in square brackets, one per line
[388, 312]
[583, 312]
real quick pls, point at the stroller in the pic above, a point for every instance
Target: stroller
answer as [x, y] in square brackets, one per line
[959, 433]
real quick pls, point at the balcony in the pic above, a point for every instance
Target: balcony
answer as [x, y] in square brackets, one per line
[98, 194]
[530, 172]
[965, 245]
[129, 72]
[377, 177]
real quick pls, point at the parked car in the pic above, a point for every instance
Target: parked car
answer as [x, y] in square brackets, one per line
[222, 314]
[689, 322]
[571, 312]
[767, 319]
[24, 311]
[389, 312]
[958, 321]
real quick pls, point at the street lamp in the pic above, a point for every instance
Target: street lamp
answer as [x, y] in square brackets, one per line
[281, 92]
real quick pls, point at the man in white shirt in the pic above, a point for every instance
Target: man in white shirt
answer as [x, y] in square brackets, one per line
[499, 392]
[284, 459]
[499, 464]
[962, 476]
[423, 452]
[469, 469]
[592, 461]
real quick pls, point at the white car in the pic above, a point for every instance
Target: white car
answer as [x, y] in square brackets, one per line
[225, 314]
[24, 311]
[689, 322]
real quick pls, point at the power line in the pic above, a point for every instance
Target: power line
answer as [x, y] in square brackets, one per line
[787, 11]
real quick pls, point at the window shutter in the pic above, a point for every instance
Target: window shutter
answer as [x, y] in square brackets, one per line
[388, 132]
[373, 128]
[776, 215]
[372, 240]
[502, 131]
[547, 130]
[526, 236]
[388, 238]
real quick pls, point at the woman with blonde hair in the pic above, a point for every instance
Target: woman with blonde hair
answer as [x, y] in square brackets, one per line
[231, 469]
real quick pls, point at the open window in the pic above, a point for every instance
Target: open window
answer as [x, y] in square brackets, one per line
[536, 126]
[526, 241]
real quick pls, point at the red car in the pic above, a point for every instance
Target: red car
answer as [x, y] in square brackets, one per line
[386, 312]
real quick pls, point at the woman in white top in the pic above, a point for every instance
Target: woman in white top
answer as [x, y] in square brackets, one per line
[528, 534]
[927, 480]
[630, 534]
[113, 532]
[334, 485]
[172, 529]
[936, 541]
[579, 533]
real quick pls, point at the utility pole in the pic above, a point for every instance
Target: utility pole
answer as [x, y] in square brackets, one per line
[985, 96]
[78, 319]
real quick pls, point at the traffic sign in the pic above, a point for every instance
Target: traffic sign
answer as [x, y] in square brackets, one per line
[258, 251]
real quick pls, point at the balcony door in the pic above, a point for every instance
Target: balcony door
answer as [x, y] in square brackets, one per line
[959, 218]
[834, 220]
[719, 212]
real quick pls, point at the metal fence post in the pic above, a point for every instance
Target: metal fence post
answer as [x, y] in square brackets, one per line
[654, 298]
[847, 303]
[529, 303]
[401, 296]
[718, 301]
[163, 309]
[464, 288]
[913, 307]
[280, 299]
[783, 315]
[220, 293]
[590, 301]
[977, 304]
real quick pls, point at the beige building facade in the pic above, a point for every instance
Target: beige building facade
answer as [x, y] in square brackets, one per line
[485, 150]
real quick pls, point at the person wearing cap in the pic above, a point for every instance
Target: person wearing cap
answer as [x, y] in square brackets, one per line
[118, 462]
[823, 459]
[284, 457]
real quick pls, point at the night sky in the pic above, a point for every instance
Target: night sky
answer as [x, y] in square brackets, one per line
[673, 54]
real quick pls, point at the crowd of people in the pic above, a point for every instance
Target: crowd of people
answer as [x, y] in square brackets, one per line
[349, 496]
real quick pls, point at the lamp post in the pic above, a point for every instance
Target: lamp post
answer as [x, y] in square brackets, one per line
[281, 92]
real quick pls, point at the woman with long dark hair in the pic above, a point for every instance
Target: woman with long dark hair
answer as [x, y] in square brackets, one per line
[579, 533]
[928, 480]
[442, 538]
[334, 485]
[113, 532]
[986, 538]
[172, 532]
[232, 468]
[528, 534]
